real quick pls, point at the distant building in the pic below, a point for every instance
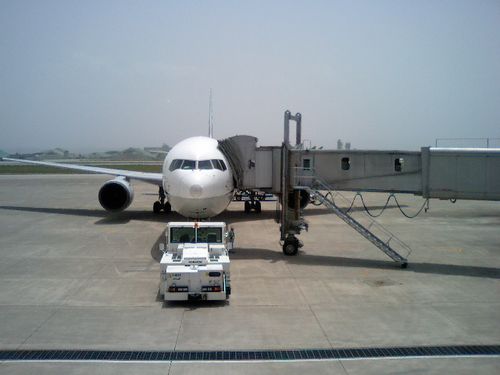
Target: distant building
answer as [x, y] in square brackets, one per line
[164, 147]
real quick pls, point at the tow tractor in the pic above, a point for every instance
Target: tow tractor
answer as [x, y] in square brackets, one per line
[195, 262]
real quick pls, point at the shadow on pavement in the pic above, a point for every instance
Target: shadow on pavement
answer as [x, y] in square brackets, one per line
[335, 261]
[109, 218]
[271, 255]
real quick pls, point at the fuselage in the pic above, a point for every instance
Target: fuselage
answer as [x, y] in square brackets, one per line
[197, 178]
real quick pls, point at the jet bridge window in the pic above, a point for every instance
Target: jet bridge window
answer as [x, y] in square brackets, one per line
[345, 164]
[398, 164]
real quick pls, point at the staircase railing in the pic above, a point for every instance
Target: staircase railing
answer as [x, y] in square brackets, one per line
[373, 231]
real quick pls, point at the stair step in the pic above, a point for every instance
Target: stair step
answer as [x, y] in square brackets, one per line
[365, 232]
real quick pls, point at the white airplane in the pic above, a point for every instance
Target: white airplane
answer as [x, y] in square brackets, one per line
[197, 181]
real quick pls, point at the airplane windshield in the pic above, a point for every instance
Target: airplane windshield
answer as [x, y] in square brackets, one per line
[193, 164]
[176, 164]
[219, 164]
[188, 164]
[205, 164]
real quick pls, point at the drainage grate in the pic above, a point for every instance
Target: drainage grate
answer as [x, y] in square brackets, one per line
[248, 355]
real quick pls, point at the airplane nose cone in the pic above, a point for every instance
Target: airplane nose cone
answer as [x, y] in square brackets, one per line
[195, 191]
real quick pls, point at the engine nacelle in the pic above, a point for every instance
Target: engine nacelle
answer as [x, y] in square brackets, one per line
[116, 195]
[304, 198]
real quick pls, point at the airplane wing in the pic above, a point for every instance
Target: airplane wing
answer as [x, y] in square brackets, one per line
[152, 178]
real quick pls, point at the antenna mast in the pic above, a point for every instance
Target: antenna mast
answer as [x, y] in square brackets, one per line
[210, 117]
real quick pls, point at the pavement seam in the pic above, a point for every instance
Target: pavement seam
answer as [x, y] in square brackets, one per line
[176, 339]
[58, 308]
[179, 330]
[311, 310]
[343, 367]
[83, 285]
[38, 328]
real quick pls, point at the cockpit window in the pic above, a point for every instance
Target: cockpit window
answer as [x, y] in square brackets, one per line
[193, 164]
[216, 164]
[176, 164]
[188, 164]
[219, 164]
[204, 164]
[182, 164]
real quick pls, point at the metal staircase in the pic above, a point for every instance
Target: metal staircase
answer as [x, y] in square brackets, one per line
[316, 187]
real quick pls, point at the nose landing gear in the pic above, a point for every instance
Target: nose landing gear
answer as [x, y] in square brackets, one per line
[160, 204]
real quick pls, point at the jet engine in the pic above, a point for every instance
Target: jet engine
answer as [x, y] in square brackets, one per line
[303, 198]
[116, 195]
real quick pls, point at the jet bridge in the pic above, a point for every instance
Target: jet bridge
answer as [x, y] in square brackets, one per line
[296, 174]
[432, 172]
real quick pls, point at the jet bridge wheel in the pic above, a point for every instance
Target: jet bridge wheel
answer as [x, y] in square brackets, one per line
[291, 246]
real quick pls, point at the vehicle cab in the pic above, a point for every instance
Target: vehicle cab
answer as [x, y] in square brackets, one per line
[195, 262]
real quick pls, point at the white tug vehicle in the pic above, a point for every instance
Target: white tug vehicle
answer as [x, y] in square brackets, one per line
[195, 262]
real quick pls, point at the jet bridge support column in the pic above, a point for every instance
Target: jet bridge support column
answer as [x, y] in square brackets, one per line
[290, 218]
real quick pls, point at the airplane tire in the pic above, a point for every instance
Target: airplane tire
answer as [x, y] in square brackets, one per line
[291, 247]
[167, 208]
[258, 207]
[248, 208]
[156, 207]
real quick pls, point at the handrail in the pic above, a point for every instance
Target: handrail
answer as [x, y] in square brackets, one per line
[319, 184]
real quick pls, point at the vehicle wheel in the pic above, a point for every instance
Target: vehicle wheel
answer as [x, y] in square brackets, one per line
[167, 207]
[291, 247]
[156, 207]
[258, 207]
[248, 208]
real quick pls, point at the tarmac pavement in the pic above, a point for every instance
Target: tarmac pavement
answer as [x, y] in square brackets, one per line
[73, 276]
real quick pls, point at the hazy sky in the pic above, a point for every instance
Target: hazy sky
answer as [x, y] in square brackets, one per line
[95, 75]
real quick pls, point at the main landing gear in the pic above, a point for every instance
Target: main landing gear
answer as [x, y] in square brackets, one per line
[161, 204]
[253, 203]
